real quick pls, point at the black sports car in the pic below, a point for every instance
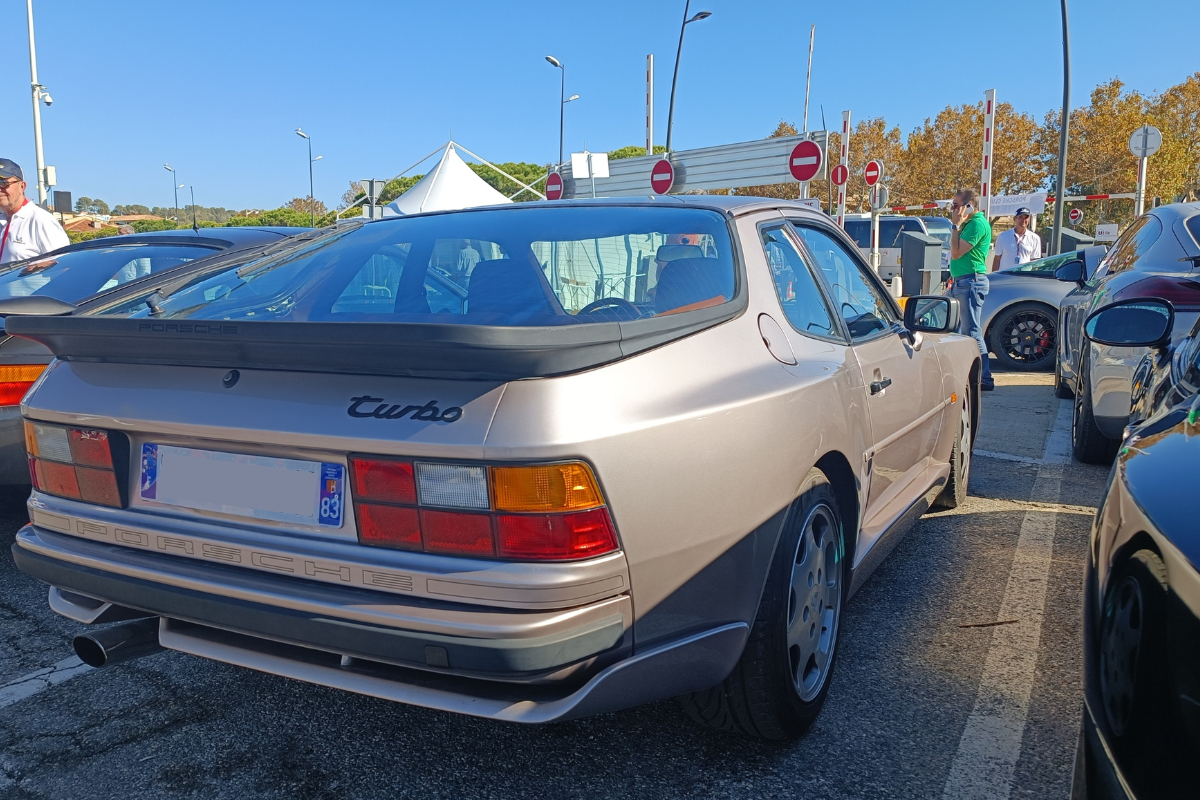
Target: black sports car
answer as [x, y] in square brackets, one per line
[1141, 722]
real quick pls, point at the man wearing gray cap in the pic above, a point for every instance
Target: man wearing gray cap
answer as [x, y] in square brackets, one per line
[28, 229]
[1018, 245]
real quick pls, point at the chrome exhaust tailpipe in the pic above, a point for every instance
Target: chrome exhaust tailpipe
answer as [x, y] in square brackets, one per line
[119, 643]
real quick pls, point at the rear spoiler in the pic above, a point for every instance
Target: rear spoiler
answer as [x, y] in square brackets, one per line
[364, 348]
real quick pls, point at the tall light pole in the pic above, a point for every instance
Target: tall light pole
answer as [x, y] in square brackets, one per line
[675, 78]
[39, 95]
[1060, 188]
[312, 206]
[174, 178]
[562, 104]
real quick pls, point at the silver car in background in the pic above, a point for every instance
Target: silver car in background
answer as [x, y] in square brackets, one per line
[646, 448]
[1020, 313]
[1156, 256]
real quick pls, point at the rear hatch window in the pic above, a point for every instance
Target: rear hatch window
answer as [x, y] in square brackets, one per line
[507, 267]
[76, 275]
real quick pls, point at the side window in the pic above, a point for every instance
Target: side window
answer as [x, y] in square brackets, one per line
[798, 291]
[1132, 245]
[863, 307]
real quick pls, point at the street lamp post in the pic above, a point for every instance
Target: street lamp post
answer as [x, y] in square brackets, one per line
[1060, 188]
[675, 78]
[312, 206]
[192, 190]
[562, 104]
[174, 178]
[39, 95]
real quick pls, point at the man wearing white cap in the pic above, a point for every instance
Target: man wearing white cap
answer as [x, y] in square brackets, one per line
[1018, 245]
[26, 229]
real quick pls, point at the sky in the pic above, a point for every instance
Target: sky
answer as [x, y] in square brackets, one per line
[218, 88]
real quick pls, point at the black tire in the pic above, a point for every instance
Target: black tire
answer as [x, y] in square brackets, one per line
[1061, 389]
[1088, 444]
[761, 696]
[1134, 685]
[1024, 337]
[954, 493]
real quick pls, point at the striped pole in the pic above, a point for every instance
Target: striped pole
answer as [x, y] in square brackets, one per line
[650, 104]
[841, 205]
[989, 129]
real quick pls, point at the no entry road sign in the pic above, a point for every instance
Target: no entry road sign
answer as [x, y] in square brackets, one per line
[873, 172]
[554, 186]
[1075, 216]
[662, 177]
[805, 161]
[839, 175]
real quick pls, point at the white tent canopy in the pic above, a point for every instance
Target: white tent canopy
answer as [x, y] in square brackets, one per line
[448, 186]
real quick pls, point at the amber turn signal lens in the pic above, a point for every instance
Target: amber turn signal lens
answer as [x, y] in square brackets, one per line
[553, 487]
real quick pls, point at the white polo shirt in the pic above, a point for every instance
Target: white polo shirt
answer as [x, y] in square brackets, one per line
[1014, 250]
[34, 231]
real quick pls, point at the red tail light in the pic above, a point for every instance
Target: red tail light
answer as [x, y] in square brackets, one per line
[431, 507]
[15, 382]
[1182, 293]
[75, 463]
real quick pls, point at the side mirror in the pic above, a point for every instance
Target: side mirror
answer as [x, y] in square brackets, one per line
[931, 314]
[1074, 271]
[1140, 322]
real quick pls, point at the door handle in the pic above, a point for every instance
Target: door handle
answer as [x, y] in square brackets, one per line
[879, 385]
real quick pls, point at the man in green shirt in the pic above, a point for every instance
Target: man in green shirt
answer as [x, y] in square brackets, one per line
[969, 245]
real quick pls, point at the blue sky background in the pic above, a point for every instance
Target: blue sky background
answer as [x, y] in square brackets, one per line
[217, 88]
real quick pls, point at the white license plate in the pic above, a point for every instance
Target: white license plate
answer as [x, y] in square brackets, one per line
[278, 489]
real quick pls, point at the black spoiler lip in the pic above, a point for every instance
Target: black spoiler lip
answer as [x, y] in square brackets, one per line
[358, 348]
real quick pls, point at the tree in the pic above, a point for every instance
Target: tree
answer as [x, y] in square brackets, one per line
[282, 217]
[633, 151]
[99, 206]
[306, 205]
[83, 205]
[130, 209]
[525, 172]
[1176, 112]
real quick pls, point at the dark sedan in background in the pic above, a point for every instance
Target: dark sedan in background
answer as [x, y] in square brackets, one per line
[57, 282]
[1141, 727]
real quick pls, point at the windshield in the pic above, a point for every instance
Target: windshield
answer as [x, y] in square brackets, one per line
[76, 275]
[1045, 266]
[889, 231]
[530, 266]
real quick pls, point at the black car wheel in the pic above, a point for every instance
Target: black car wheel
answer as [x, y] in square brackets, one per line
[1088, 443]
[1024, 337]
[1134, 683]
[783, 676]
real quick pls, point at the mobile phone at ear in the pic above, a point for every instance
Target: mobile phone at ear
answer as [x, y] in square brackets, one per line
[969, 208]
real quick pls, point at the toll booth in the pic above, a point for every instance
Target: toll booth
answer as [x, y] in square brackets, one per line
[1074, 240]
[920, 262]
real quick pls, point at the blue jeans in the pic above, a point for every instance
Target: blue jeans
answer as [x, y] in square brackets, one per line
[970, 291]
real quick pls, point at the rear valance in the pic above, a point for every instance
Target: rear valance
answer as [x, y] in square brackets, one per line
[361, 348]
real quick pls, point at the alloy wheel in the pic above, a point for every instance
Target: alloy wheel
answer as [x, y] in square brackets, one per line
[1120, 644]
[1028, 337]
[815, 602]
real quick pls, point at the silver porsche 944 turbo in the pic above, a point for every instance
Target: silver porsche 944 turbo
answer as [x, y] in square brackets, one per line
[527, 462]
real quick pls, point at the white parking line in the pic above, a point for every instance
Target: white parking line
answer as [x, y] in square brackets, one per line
[987, 754]
[41, 680]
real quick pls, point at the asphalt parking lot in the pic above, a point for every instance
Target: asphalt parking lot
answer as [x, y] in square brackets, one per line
[959, 676]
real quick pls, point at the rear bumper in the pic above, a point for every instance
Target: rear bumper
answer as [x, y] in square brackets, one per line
[527, 666]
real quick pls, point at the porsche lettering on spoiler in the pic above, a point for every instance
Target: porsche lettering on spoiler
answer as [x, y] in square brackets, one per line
[187, 327]
[426, 413]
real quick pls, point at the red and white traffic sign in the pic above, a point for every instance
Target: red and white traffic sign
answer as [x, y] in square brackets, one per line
[554, 186]
[662, 177]
[1076, 215]
[839, 175]
[805, 161]
[873, 172]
